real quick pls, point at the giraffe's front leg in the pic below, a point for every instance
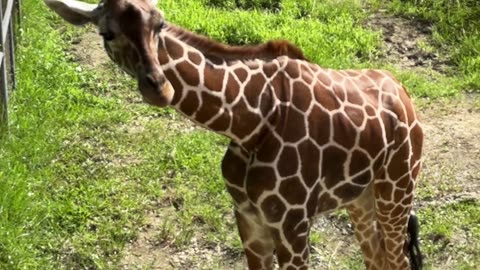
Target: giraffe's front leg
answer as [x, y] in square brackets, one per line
[256, 238]
[292, 240]
[362, 215]
[289, 239]
[286, 221]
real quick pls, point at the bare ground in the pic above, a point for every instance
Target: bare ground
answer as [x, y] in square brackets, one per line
[451, 170]
[452, 165]
[88, 50]
[406, 42]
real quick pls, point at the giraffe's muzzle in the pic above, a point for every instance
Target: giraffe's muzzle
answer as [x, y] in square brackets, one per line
[156, 89]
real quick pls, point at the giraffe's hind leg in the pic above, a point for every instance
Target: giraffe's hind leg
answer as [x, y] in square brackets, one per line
[362, 214]
[394, 193]
[392, 218]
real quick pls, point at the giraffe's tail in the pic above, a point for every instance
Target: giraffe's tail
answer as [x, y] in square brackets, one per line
[416, 259]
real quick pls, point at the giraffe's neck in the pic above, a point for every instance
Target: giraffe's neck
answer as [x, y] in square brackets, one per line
[231, 97]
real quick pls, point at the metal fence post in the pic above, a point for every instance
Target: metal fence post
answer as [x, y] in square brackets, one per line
[19, 11]
[3, 77]
[11, 51]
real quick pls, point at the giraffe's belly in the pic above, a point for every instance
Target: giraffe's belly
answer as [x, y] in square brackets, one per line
[344, 177]
[338, 197]
[318, 189]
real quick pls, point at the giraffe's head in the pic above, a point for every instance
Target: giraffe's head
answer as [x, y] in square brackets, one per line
[128, 24]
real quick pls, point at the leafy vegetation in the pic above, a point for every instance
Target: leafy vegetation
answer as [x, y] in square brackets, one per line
[85, 160]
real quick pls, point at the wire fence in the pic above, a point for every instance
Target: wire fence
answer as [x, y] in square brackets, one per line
[10, 14]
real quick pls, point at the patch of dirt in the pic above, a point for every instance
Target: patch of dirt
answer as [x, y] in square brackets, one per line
[148, 251]
[144, 252]
[407, 42]
[89, 51]
[451, 169]
[152, 251]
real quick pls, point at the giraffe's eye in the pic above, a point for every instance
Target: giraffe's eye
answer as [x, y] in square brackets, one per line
[159, 26]
[108, 36]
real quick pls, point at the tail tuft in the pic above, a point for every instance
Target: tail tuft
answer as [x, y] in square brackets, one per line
[416, 259]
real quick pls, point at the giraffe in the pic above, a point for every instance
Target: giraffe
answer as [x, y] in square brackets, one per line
[305, 140]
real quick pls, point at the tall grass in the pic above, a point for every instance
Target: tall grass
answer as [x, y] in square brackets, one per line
[330, 34]
[75, 178]
[24, 160]
[47, 108]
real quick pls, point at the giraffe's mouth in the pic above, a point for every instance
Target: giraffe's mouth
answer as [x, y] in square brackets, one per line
[156, 90]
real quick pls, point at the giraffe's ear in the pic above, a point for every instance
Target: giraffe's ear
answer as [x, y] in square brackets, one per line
[74, 12]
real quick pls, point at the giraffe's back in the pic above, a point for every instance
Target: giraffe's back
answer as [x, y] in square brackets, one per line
[353, 119]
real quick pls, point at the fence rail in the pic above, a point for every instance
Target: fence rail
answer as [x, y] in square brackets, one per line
[7, 54]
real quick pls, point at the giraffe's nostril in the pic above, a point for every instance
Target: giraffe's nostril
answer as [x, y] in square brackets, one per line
[151, 82]
[108, 36]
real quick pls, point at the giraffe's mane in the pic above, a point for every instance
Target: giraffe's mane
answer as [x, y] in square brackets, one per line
[265, 51]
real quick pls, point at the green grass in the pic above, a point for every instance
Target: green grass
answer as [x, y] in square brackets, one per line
[85, 160]
[76, 178]
[335, 41]
[456, 32]
[452, 229]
